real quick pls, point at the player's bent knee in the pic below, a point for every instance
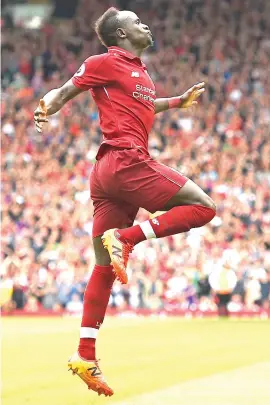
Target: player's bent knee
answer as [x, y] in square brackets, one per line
[202, 215]
[212, 205]
[209, 203]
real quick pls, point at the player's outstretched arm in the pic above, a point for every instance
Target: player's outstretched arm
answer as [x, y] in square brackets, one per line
[188, 99]
[53, 101]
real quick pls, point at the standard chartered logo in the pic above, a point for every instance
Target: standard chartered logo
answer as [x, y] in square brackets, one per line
[144, 93]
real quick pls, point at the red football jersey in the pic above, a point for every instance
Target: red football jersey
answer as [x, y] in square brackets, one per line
[124, 94]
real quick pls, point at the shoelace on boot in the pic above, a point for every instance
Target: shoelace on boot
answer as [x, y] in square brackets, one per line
[127, 249]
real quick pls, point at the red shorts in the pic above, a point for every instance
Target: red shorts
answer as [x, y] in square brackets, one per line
[124, 180]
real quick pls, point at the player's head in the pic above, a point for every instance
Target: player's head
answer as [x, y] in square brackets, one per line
[117, 28]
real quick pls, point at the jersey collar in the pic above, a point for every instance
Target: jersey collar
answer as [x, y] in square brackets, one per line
[123, 52]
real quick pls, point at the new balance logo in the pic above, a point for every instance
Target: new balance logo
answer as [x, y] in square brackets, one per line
[135, 74]
[116, 251]
[95, 371]
[155, 221]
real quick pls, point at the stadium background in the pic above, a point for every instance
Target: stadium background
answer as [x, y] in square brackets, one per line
[223, 145]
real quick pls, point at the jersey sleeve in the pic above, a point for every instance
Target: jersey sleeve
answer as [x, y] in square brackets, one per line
[94, 72]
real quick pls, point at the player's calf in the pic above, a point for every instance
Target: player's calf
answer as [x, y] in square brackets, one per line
[177, 220]
[120, 242]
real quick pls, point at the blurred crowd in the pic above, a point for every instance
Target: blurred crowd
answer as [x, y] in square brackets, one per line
[223, 145]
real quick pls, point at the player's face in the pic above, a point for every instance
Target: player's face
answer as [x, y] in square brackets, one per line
[136, 32]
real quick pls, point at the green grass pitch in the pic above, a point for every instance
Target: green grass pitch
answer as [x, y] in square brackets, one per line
[138, 356]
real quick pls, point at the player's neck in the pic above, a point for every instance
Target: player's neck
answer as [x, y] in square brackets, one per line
[131, 49]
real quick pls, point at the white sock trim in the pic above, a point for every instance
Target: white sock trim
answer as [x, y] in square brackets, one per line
[147, 230]
[88, 333]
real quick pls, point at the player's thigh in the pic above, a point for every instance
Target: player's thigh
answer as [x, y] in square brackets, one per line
[190, 194]
[149, 184]
[109, 214]
[136, 178]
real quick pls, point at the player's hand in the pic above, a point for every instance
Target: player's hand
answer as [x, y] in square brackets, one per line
[188, 99]
[40, 115]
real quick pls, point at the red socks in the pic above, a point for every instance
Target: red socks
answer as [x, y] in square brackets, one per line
[98, 290]
[177, 220]
[96, 298]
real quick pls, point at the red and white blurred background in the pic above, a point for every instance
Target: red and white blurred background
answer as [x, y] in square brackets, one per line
[223, 145]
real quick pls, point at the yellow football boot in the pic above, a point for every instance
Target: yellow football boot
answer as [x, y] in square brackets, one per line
[90, 373]
[119, 253]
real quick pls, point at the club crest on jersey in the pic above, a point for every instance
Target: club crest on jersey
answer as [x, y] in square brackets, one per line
[135, 74]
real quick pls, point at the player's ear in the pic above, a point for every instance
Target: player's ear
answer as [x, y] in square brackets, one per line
[120, 32]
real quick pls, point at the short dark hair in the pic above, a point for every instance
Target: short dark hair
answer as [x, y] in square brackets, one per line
[106, 27]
